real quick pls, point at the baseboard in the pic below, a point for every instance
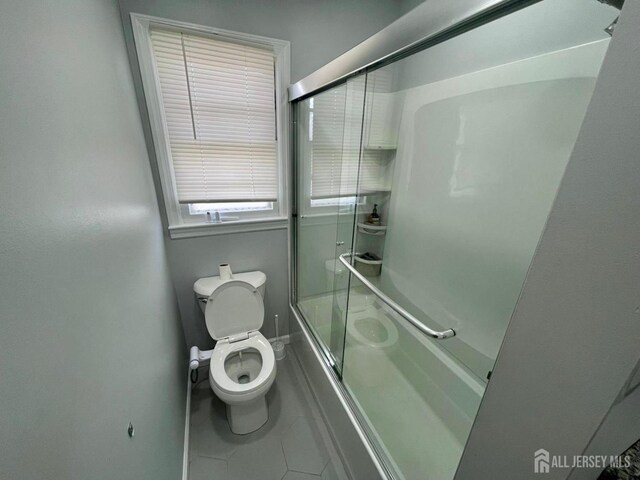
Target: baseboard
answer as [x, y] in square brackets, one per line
[187, 422]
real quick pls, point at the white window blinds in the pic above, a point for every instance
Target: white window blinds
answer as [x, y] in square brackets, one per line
[327, 127]
[338, 167]
[219, 104]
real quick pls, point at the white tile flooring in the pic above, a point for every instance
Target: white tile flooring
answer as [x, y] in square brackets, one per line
[293, 445]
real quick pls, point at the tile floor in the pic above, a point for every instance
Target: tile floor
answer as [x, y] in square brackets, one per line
[293, 445]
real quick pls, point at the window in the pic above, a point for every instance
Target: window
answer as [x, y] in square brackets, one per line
[217, 108]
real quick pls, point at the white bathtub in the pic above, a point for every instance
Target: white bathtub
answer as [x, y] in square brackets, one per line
[419, 401]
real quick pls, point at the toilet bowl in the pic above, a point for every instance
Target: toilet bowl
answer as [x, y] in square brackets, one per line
[242, 366]
[240, 374]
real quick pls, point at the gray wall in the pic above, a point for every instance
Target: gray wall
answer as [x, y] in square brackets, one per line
[193, 258]
[620, 430]
[575, 329]
[408, 5]
[89, 331]
[318, 31]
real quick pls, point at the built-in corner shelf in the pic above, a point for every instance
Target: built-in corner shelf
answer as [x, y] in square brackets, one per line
[369, 268]
[375, 230]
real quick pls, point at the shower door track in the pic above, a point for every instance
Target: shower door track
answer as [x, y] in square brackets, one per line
[428, 24]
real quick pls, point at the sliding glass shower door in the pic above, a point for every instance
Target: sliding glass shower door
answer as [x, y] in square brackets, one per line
[328, 135]
[423, 187]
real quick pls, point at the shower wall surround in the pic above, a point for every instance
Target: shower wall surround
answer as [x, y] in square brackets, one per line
[479, 161]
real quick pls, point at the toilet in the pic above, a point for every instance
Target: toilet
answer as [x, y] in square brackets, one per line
[242, 367]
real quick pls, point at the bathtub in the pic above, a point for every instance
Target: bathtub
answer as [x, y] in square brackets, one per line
[418, 400]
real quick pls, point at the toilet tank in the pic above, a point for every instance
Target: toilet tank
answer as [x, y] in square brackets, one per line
[204, 287]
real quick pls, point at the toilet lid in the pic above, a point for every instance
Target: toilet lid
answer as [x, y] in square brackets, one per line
[234, 307]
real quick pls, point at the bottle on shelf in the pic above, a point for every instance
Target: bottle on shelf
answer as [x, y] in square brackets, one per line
[374, 218]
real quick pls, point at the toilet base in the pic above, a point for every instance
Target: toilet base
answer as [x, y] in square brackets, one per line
[247, 417]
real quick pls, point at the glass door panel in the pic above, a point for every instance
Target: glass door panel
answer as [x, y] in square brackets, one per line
[346, 216]
[464, 146]
[319, 132]
[328, 127]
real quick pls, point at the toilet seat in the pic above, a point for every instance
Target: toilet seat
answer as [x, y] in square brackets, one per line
[234, 309]
[221, 382]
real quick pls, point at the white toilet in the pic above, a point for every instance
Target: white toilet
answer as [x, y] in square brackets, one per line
[242, 367]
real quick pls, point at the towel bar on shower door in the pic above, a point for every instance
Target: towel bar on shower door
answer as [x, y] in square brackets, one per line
[448, 333]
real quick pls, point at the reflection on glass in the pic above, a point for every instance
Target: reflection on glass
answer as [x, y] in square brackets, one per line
[419, 404]
[320, 124]
[462, 150]
[328, 148]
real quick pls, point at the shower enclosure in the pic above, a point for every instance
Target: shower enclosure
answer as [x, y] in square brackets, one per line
[460, 145]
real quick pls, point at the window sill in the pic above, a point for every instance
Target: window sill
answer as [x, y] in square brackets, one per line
[224, 228]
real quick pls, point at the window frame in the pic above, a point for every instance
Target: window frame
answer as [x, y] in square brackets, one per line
[178, 225]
